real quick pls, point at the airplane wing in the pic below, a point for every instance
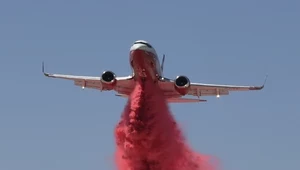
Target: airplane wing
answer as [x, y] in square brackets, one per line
[124, 85]
[201, 89]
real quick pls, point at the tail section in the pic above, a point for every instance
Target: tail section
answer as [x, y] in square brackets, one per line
[162, 63]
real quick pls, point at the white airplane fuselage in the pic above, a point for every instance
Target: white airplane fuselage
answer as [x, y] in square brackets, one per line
[144, 61]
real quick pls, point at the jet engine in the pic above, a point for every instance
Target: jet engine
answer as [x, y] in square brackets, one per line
[182, 85]
[109, 79]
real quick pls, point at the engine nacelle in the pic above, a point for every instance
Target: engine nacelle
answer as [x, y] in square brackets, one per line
[182, 85]
[109, 79]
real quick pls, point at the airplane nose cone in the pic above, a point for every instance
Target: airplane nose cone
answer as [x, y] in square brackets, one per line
[138, 47]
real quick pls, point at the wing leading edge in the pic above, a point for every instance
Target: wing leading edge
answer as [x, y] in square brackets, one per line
[201, 89]
[124, 84]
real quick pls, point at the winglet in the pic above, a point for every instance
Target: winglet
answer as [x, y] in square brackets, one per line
[265, 80]
[262, 86]
[43, 70]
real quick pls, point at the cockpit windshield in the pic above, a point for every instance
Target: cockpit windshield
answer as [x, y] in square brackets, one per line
[140, 42]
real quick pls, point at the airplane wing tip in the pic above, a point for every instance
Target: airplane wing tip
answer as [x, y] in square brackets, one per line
[47, 74]
[260, 87]
[257, 87]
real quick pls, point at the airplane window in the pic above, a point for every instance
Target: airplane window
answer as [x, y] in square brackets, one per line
[148, 45]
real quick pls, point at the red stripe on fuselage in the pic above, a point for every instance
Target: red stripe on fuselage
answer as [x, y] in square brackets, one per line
[143, 64]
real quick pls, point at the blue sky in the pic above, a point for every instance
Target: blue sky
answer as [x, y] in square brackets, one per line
[51, 124]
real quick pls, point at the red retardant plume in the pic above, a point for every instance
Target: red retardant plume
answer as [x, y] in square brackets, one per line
[148, 137]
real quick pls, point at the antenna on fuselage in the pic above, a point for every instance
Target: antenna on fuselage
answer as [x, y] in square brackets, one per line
[162, 63]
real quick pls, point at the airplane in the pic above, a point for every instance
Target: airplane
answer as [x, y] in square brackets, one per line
[146, 66]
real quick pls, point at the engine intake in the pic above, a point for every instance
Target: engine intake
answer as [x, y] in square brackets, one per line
[108, 77]
[182, 85]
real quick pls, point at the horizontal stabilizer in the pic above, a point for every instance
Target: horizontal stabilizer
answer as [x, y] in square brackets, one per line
[122, 95]
[173, 100]
[184, 100]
